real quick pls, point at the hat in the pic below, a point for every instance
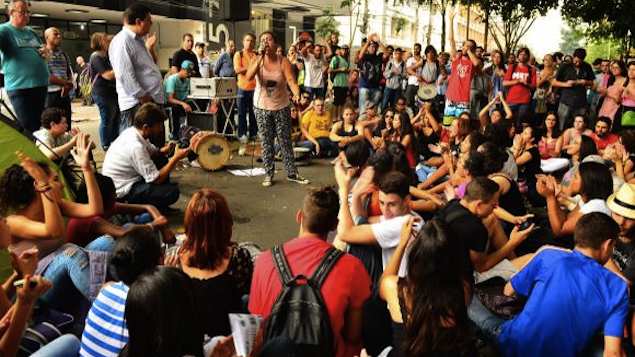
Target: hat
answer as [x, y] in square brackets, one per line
[189, 65]
[623, 201]
[345, 46]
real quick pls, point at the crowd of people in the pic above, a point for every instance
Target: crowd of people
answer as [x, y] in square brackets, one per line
[483, 205]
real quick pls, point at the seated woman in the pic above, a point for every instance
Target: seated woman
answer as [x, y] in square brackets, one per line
[375, 130]
[593, 182]
[492, 114]
[346, 130]
[220, 270]
[401, 132]
[426, 136]
[105, 333]
[428, 306]
[31, 199]
[82, 231]
[550, 146]
[571, 137]
[162, 317]
[527, 156]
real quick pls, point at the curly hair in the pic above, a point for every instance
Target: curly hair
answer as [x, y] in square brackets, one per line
[16, 188]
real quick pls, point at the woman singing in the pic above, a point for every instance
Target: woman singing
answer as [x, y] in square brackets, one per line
[273, 74]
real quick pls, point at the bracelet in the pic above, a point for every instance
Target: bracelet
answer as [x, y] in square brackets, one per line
[43, 189]
[88, 168]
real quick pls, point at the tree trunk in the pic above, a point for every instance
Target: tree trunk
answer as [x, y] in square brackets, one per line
[430, 19]
[486, 28]
[467, 28]
[442, 25]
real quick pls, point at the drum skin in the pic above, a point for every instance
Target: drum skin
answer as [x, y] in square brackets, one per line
[212, 149]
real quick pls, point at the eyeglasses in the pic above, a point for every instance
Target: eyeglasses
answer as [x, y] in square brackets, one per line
[22, 12]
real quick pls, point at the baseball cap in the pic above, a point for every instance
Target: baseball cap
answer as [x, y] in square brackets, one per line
[189, 65]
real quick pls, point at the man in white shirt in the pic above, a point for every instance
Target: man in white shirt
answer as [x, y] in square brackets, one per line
[413, 69]
[139, 170]
[315, 69]
[133, 57]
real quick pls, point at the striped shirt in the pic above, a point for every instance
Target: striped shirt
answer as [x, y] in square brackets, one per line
[58, 67]
[105, 333]
[135, 70]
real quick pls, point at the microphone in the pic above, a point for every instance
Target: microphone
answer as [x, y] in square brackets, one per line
[262, 49]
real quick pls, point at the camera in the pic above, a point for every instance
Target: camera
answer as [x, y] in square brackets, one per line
[525, 225]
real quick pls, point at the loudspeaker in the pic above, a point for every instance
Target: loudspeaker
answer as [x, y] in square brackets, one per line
[236, 10]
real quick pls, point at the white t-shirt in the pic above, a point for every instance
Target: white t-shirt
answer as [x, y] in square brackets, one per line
[413, 80]
[595, 205]
[387, 233]
[45, 141]
[129, 160]
[314, 71]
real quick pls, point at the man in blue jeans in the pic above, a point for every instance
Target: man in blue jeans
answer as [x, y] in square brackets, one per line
[571, 297]
[246, 87]
[370, 73]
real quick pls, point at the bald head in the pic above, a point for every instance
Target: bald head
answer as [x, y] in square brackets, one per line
[53, 37]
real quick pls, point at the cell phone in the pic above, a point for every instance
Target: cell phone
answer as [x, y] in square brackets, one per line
[525, 225]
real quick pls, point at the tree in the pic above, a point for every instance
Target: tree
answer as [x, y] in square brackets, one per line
[509, 21]
[572, 38]
[326, 25]
[605, 19]
[353, 12]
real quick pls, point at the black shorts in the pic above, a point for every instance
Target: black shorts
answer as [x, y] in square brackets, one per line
[339, 95]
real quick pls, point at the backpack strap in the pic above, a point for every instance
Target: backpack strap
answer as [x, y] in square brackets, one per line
[282, 266]
[331, 257]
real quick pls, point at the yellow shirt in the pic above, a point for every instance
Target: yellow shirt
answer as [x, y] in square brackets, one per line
[318, 126]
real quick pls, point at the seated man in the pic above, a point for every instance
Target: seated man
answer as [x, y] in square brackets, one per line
[465, 219]
[316, 127]
[602, 135]
[139, 170]
[345, 288]
[571, 298]
[53, 139]
[177, 88]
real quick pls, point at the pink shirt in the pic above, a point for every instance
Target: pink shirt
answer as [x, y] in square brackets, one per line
[271, 87]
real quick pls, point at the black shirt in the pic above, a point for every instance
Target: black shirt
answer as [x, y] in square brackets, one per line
[182, 55]
[531, 167]
[463, 224]
[576, 95]
[101, 87]
[370, 72]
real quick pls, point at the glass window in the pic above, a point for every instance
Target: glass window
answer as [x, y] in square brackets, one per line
[96, 27]
[113, 29]
[77, 30]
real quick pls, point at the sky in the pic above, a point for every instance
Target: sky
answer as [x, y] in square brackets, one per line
[545, 35]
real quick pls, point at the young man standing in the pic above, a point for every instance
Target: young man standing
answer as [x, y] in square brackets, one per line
[139, 170]
[571, 298]
[177, 88]
[395, 72]
[369, 63]
[204, 63]
[346, 287]
[185, 53]
[224, 66]
[573, 79]
[315, 68]
[413, 68]
[460, 80]
[339, 68]
[61, 78]
[246, 87]
[520, 81]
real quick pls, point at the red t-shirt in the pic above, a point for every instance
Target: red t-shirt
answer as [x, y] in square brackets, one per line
[460, 80]
[346, 286]
[605, 141]
[520, 93]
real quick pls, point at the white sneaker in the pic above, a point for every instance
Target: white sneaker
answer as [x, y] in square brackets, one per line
[268, 181]
[242, 150]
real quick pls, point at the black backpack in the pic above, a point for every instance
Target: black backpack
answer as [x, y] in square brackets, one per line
[299, 313]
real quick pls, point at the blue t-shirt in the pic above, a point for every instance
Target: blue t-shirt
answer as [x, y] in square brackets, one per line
[180, 87]
[571, 298]
[105, 333]
[21, 62]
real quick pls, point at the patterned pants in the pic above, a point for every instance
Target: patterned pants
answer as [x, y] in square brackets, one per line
[272, 124]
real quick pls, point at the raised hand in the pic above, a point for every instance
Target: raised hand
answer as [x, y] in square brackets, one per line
[25, 263]
[81, 152]
[28, 294]
[32, 168]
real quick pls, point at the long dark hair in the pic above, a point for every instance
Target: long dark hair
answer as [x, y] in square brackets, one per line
[406, 126]
[587, 147]
[16, 189]
[434, 294]
[161, 316]
[623, 71]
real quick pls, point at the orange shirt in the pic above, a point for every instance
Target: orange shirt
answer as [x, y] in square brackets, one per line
[245, 61]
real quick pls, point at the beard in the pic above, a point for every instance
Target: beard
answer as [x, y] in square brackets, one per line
[629, 234]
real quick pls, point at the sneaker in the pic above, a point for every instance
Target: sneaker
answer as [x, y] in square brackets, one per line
[299, 179]
[268, 181]
[242, 150]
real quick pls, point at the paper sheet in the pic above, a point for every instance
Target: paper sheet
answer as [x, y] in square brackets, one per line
[244, 329]
[257, 171]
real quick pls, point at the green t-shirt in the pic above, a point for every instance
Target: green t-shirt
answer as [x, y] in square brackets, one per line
[21, 62]
[341, 78]
[180, 87]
